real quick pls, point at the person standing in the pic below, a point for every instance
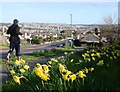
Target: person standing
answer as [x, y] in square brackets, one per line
[14, 31]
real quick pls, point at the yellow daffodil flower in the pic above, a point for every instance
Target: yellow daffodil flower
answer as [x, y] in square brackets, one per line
[98, 55]
[88, 51]
[45, 68]
[71, 60]
[100, 63]
[22, 70]
[65, 53]
[92, 54]
[54, 60]
[62, 68]
[89, 59]
[115, 57]
[26, 67]
[45, 77]
[93, 58]
[17, 62]
[107, 55]
[92, 50]
[39, 72]
[16, 79]
[72, 52]
[65, 77]
[39, 66]
[73, 77]
[91, 69]
[111, 57]
[12, 72]
[86, 70]
[81, 74]
[50, 62]
[86, 54]
[68, 72]
[22, 61]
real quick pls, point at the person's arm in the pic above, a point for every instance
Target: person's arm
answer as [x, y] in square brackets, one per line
[18, 31]
[8, 31]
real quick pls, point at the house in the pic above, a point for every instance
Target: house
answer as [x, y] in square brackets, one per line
[90, 39]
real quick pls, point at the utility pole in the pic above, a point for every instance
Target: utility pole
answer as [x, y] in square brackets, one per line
[71, 25]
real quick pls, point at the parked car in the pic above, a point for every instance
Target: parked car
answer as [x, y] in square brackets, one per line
[61, 45]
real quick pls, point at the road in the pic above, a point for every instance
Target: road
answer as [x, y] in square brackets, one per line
[29, 49]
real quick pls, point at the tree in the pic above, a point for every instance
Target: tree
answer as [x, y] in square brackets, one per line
[108, 29]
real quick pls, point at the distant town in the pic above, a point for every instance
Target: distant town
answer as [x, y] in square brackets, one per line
[51, 31]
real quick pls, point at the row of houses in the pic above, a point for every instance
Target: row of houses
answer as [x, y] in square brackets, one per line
[36, 30]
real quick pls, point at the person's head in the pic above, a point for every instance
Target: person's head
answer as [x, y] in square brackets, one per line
[15, 21]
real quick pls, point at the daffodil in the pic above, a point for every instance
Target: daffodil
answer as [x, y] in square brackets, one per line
[72, 52]
[81, 74]
[93, 58]
[16, 79]
[88, 51]
[39, 66]
[50, 62]
[118, 54]
[71, 60]
[22, 70]
[91, 69]
[100, 63]
[92, 54]
[73, 77]
[65, 77]
[92, 50]
[89, 59]
[68, 72]
[45, 68]
[65, 53]
[107, 55]
[39, 72]
[86, 70]
[26, 67]
[87, 55]
[111, 57]
[115, 57]
[83, 56]
[54, 60]
[22, 61]
[12, 72]
[98, 55]
[45, 77]
[17, 62]
[62, 68]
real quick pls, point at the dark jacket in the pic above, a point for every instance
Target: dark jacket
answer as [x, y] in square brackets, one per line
[14, 31]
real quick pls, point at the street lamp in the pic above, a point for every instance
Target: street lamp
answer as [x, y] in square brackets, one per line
[71, 25]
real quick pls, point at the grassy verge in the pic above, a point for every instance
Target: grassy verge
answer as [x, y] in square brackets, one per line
[91, 69]
[41, 54]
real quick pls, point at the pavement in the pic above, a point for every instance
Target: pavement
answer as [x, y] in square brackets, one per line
[25, 50]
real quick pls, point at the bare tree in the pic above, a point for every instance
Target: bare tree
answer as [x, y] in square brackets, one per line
[109, 28]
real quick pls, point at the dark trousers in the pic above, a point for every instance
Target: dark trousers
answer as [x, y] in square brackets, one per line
[15, 45]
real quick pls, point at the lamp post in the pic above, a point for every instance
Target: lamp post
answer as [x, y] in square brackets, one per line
[71, 25]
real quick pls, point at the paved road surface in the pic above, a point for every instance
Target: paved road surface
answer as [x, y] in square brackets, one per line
[27, 50]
